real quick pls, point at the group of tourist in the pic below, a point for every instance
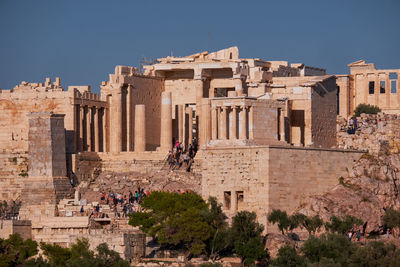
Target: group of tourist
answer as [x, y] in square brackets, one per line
[9, 210]
[129, 204]
[178, 156]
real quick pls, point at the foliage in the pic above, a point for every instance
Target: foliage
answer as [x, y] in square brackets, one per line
[333, 250]
[56, 255]
[391, 218]
[220, 238]
[330, 246]
[288, 257]
[311, 224]
[342, 225]
[78, 255]
[247, 239]
[367, 109]
[281, 218]
[285, 222]
[14, 250]
[176, 219]
[376, 254]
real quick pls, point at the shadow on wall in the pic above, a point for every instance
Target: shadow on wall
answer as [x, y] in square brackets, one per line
[87, 166]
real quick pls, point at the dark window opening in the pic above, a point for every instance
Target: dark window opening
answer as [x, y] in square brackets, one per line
[371, 88]
[278, 120]
[240, 200]
[393, 87]
[227, 200]
[337, 100]
[382, 87]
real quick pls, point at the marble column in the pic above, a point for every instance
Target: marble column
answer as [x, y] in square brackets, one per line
[205, 122]
[166, 122]
[218, 121]
[232, 123]
[180, 123]
[190, 125]
[81, 128]
[89, 128]
[104, 128]
[116, 122]
[223, 123]
[140, 128]
[214, 123]
[251, 122]
[242, 123]
[96, 129]
[128, 120]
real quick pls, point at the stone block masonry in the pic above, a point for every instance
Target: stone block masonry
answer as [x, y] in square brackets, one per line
[262, 178]
[47, 182]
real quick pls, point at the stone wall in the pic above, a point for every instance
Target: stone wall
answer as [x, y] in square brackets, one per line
[323, 113]
[21, 227]
[147, 91]
[14, 107]
[261, 178]
[89, 165]
[13, 173]
[64, 231]
[375, 133]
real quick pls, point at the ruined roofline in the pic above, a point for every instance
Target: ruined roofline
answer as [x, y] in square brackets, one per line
[230, 53]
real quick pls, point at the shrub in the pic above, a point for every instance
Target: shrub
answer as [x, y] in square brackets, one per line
[329, 246]
[391, 218]
[342, 225]
[287, 256]
[247, 239]
[367, 109]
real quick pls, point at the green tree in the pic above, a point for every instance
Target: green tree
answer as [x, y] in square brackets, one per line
[56, 255]
[247, 239]
[78, 255]
[391, 218]
[311, 224]
[330, 246]
[281, 218]
[285, 222]
[367, 109]
[342, 225]
[14, 250]
[175, 219]
[220, 238]
[376, 254]
[288, 257]
[107, 257]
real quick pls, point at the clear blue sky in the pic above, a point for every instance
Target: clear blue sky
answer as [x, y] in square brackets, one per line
[81, 41]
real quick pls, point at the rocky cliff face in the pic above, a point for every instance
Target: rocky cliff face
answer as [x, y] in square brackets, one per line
[372, 185]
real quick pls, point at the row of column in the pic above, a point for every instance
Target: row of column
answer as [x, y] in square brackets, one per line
[90, 122]
[232, 122]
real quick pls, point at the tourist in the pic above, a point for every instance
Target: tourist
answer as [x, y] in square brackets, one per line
[191, 151]
[387, 232]
[358, 233]
[185, 158]
[82, 211]
[350, 234]
[124, 210]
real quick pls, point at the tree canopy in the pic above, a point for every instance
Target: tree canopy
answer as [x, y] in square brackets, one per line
[247, 237]
[175, 219]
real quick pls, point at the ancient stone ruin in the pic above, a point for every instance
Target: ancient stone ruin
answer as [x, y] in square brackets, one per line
[266, 134]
